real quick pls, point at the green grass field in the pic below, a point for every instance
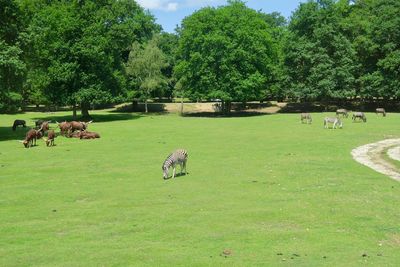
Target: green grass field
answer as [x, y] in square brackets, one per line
[271, 190]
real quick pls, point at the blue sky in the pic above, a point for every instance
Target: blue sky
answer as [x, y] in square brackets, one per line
[170, 13]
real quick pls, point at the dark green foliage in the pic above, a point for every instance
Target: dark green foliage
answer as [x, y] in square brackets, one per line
[73, 52]
[79, 48]
[320, 60]
[12, 66]
[225, 53]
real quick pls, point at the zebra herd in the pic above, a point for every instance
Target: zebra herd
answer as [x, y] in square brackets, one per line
[336, 122]
[179, 157]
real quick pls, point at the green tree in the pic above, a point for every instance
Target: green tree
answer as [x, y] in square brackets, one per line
[145, 65]
[168, 43]
[375, 26]
[12, 67]
[320, 59]
[226, 53]
[79, 48]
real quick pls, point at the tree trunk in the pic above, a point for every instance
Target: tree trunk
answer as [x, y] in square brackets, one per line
[135, 105]
[226, 107]
[74, 111]
[85, 110]
[145, 106]
[181, 106]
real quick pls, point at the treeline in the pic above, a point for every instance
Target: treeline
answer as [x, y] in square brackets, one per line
[90, 53]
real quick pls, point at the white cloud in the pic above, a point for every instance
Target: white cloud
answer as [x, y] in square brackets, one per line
[172, 6]
[168, 5]
[165, 5]
[201, 3]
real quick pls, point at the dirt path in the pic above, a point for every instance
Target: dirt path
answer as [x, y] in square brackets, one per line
[371, 155]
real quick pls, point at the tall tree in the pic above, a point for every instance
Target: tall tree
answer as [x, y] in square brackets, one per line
[79, 48]
[320, 59]
[226, 53]
[12, 67]
[376, 27]
[168, 43]
[145, 65]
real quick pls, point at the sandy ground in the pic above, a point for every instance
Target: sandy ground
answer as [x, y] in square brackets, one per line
[371, 155]
[394, 153]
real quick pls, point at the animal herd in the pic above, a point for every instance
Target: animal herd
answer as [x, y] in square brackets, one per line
[336, 122]
[77, 129]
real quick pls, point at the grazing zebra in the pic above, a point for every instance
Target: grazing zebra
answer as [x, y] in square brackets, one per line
[305, 117]
[381, 111]
[335, 121]
[343, 112]
[177, 157]
[360, 116]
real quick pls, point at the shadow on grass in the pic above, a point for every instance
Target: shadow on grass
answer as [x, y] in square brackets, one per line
[234, 114]
[140, 107]
[111, 116]
[6, 133]
[176, 176]
[366, 106]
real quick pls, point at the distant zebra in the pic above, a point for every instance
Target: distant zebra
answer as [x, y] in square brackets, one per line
[343, 112]
[381, 111]
[360, 116]
[335, 121]
[178, 157]
[305, 117]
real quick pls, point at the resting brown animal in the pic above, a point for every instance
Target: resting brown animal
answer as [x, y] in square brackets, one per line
[89, 135]
[75, 134]
[18, 123]
[30, 138]
[50, 138]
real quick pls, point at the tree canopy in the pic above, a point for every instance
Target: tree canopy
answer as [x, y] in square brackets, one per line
[78, 49]
[80, 53]
[225, 53]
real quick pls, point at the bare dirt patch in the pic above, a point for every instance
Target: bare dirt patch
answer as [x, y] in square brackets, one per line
[371, 155]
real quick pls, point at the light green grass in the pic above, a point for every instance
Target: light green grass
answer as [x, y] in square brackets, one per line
[259, 186]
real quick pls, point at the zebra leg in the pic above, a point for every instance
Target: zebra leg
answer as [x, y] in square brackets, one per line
[184, 166]
[173, 172]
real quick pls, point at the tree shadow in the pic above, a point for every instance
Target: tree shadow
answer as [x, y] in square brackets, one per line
[140, 107]
[332, 106]
[111, 116]
[6, 133]
[233, 114]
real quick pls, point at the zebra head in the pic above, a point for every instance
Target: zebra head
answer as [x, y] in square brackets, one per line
[165, 171]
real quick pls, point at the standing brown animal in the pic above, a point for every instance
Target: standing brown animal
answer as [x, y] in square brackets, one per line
[79, 126]
[45, 126]
[64, 127]
[30, 138]
[50, 138]
[89, 135]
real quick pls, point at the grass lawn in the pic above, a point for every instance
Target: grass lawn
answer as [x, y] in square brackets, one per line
[271, 190]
